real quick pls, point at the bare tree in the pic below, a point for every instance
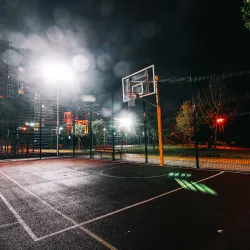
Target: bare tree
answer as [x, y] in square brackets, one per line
[211, 104]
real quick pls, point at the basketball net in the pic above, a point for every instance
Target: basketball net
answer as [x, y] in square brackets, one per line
[131, 99]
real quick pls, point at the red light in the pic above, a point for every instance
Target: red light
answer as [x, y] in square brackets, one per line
[220, 120]
[24, 128]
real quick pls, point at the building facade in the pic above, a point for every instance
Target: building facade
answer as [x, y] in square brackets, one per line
[13, 99]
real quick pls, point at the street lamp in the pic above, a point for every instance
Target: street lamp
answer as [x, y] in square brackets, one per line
[125, 125]
[126, 122]
[104, 130]
[55, 73]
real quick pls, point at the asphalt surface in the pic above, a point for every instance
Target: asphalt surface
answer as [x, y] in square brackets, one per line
[97, 204]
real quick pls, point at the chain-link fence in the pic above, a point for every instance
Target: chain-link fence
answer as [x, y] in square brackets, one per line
[93, 127]
[119, 131]
[28, 128]
[208, 127]
[105, 127]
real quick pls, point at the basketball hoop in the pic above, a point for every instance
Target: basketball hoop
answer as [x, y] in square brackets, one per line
[131, 99]
[142, 83]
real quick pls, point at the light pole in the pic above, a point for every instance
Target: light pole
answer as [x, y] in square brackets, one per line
[57, 120]
[104, 130]
[55, 72]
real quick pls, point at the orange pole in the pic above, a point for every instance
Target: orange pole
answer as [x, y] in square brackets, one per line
[159, 121]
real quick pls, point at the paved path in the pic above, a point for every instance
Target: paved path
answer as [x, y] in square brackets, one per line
[97, 204]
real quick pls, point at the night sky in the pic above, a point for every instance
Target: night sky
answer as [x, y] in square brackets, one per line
[171, 34]
[125, 36]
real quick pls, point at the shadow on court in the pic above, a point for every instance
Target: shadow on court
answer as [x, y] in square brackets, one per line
[96, 204]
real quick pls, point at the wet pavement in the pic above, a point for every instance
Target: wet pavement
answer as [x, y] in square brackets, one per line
[100, 204]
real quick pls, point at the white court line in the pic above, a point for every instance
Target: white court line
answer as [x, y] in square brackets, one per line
[9, 224]
[96, 237]
[130, 177]
[103, 165]
[34, 237]
[124, 209]
[83, 175]
[20, 220]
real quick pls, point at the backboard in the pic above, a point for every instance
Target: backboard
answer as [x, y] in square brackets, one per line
[140, 83]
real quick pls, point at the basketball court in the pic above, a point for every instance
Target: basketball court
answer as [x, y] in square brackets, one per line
[77, 203]
[101, 204]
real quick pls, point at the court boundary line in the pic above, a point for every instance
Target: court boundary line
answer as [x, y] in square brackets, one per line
[29, 231]
[130, 177]
[125, 208]
[9, 224]
[19, 218]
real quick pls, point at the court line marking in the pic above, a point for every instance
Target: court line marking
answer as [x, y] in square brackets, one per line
[106, 164]
[33, 236]
[125, 208]
[130, 177]
[90, 173]
[18, 217]
[96, 237]
[9, 224]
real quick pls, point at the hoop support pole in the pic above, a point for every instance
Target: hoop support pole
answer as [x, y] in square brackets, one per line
[159, 121]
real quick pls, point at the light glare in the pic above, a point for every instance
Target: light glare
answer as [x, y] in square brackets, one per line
[125, 122]
[57, 72]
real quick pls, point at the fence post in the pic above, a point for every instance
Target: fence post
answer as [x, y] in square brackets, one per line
[28, 146]
[195, 122]
[1, 145]
[40, 130]
[90, 130]
[74, 132]
[113, 127]
[145, 130]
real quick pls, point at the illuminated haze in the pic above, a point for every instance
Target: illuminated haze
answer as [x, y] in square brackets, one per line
[96, 49]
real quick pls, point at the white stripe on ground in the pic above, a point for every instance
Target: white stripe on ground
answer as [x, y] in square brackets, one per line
[34, 237]
[8, 225]
[124, 209]
[18, 217]
[130, 177]
[103, 165]
[96, 237]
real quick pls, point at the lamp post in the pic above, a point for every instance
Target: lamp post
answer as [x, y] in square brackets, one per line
[57, 120]
[55, 73]
[104, 130]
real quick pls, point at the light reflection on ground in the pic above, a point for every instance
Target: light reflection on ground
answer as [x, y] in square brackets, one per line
[193, 186]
